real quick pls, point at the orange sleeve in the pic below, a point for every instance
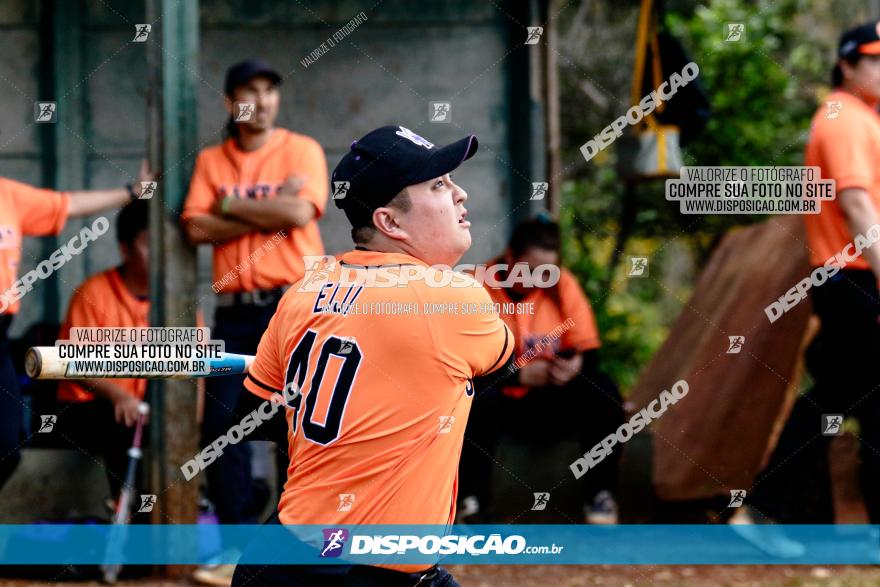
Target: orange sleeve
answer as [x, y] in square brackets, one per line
[201, 195]
[266, 373]
[43, 212]
[479, 339]
[846, 151]
[583, 334]
[313, 166]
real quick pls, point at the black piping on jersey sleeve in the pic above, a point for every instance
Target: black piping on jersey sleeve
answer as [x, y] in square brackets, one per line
[262, 385]
[503, 352]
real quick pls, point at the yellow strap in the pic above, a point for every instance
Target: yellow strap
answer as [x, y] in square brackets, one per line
[661, 151]
[657, 67]
[641, 48]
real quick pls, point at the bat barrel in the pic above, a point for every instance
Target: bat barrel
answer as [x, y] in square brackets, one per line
[33, 363]
[45, 362]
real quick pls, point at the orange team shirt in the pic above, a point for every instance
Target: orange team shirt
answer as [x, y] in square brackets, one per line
[103, 301]
[25, 211]
[847, 149]
[247, 263]
[530, 327]
[385, 398]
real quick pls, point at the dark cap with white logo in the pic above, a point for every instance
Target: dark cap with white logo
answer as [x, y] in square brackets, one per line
[864, 39]
[383, 162]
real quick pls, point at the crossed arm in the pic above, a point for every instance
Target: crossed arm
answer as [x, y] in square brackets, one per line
[244, 216]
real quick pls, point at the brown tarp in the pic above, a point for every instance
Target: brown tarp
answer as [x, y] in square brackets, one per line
[716, 438]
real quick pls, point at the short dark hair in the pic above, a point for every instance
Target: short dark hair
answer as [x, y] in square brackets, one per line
[540, 233]
[363, 234]
[837, 72]
[131, 221]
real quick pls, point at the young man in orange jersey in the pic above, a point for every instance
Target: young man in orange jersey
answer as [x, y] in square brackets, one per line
[845, 144]
[377, 426]
[256, 199]
[101, 413]
[557, 390]
[30, 211]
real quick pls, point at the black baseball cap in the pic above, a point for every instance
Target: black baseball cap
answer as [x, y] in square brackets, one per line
[384, 161]
[864, 39]
[243, 72]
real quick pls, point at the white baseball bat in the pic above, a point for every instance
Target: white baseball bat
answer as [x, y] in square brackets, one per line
[45, 362]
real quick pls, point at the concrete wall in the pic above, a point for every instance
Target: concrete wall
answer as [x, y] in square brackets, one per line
[387, 71]
[98, 79]
[21, 145]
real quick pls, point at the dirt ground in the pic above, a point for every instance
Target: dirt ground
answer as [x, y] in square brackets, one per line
[634, 576]
[849, 508]
[684, 576]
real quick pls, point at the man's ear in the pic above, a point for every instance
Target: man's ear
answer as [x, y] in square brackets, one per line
[228, 104]
[385, 221]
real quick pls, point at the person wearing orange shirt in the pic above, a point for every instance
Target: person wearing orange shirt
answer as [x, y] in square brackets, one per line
[844, 143]
[101, 413]
[31, 211]
[556, 390]
[256, 198]
[384, 388]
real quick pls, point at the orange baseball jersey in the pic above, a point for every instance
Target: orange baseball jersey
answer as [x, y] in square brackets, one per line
[247, 263]
[529, 328]
[25, 211]
[845, 143]
[103, 301]
[385, 378]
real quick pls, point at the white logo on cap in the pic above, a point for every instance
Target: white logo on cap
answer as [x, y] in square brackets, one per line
[413, 137]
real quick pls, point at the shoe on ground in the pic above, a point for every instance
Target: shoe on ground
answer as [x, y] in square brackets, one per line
[218, 570]
[470, 506]
[764, 534]
[603, 510]
[216, 575]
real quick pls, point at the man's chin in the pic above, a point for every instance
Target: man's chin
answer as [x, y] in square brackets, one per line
[258, 127]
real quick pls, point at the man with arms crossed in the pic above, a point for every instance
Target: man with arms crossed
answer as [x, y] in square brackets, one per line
[376, 432]
[260, 185]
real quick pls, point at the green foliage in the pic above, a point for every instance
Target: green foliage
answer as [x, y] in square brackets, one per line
[764, 88]
[629, 318]
[763, 92]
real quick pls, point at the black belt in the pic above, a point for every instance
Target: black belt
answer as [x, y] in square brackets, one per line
[256, 297]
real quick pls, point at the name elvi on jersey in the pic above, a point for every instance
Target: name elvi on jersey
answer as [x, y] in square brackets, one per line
[330, 305]
[343, 300]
